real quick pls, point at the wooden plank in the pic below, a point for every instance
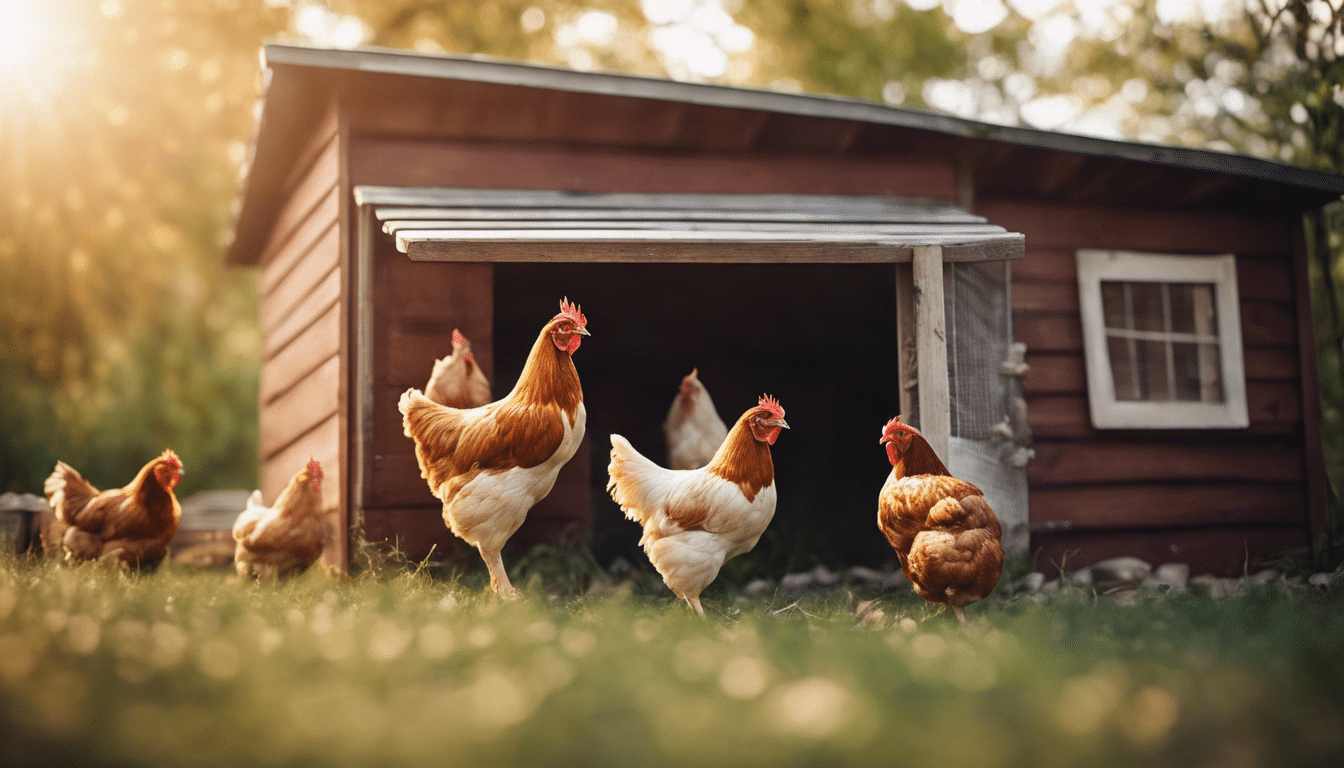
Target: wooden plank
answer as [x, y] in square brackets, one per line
[305, 234]
[1047, 265]
[1223, 550]
[290, 292]
[906, 354]
[395, 162]
[1265, 279]
[475, 203]
[302, 407]
[418, 532]
[713, 248]
[1065, 416]
[1266, 323]
[323, 444]
[304, 199]
[935, 416]
[1053, 226]
[309, 349]
[1065, 463]
[527, 227]
[1038, 296]
[1314, 458]
[1053, 332]
[321, 299]
[1153, 505]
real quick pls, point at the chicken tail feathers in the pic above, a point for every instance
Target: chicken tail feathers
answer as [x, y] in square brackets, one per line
[628, 476]
[67, 492]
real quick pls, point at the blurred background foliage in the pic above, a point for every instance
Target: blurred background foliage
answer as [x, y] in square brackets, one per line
[125, 124]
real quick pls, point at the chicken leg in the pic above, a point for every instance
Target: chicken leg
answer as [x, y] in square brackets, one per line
[499, 579]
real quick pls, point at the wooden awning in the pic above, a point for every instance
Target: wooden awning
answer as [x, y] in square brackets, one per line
[440, 224]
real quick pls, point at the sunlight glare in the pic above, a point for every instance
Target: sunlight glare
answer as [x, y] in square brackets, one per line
[21, 36]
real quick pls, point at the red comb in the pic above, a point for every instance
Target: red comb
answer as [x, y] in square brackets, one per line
[572, 311]
[458, 339]
[314, 468]
[772, 405]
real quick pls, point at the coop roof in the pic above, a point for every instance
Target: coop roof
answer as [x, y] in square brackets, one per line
[398, 93]
[438, 224]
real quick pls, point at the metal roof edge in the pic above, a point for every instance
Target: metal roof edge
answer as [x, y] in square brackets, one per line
[504, 72]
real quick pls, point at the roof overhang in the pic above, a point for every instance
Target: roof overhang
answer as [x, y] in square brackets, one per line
[440, 224]
[479, 99]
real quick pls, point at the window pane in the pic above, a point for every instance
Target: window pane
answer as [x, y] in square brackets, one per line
[1122, 369]
[1113, 303]
[1152, 364]
[1147, 304]
[1210, 374]
[1192, 309]
[1185, 358]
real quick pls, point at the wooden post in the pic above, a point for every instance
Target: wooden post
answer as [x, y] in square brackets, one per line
[935, 417]
[905, 343]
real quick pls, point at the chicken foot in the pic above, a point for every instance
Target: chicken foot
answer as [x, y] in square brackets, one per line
[499, 578]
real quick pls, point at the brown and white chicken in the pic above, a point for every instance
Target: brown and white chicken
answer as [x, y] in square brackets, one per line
[945, 534]
[287, 537]
[489, 465]
[457, 381]
[693, 428]
[696, 519]
[132, 524]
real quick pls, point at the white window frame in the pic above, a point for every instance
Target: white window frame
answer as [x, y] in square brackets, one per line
[1094, 266]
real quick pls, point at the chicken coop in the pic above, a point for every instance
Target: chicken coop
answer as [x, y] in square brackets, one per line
[1027, 298]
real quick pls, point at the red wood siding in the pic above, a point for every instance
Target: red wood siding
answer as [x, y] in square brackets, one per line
[461, 164]
[300, 319]
[1207, 497]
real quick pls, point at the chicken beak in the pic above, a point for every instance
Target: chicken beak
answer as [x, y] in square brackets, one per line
[778, 423]
[581, 331]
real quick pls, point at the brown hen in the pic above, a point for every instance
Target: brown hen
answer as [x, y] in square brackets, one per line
[944, 532]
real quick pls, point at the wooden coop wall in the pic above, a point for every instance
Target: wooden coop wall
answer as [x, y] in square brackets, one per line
[1210, 498]
[300, 288]
[416, 305]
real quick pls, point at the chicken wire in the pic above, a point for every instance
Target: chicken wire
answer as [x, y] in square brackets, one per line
[989, 442]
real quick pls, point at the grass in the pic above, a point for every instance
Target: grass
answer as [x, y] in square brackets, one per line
[400, 667]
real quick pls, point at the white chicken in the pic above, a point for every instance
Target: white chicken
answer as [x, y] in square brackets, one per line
[693, 428]
[457, 380]
[696, 519]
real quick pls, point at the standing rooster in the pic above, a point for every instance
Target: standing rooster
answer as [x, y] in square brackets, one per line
[693, 428]
[457, 381]
[132, 524]
[944, 532]
[286, 538]
[489, 465]
[696, 519]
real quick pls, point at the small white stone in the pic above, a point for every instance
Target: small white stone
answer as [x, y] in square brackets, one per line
[1120, 571]
[759, 588]
[1174, 575]
[1321, 580]
[795, 582]
[1032, 582]
[1081, 577]
[1267, 576]
[864, 575]
[824, 576]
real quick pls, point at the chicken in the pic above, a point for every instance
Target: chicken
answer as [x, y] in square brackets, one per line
[489, 465]
[693, 428]
[132, 525]
[944, 532]
[284, 539]
[696, 519]
[457, 381]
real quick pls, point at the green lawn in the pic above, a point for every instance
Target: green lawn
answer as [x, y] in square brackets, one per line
[401, 668]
